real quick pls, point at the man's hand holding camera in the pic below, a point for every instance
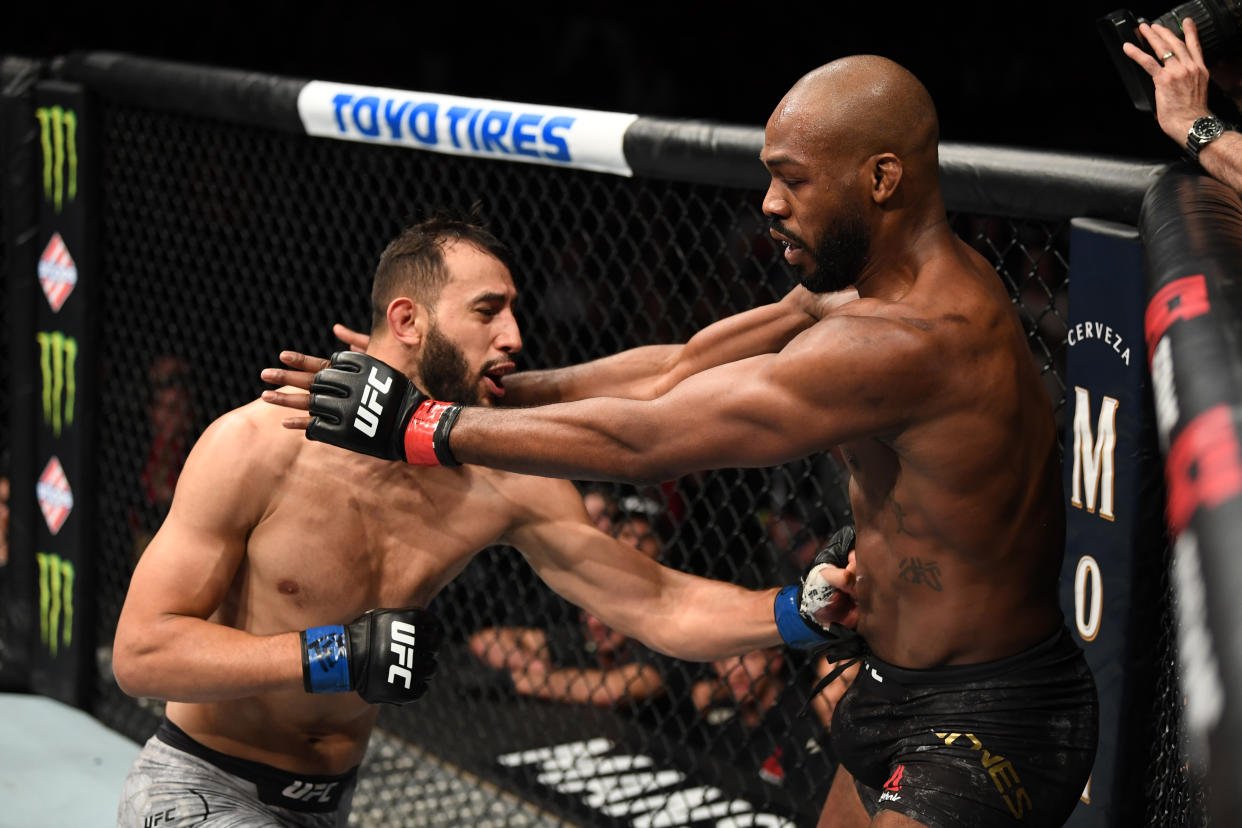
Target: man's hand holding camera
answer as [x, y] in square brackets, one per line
[1179, 75]
[1181, 79]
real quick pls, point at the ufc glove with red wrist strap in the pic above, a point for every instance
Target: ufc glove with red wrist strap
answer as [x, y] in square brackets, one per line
[365, 405]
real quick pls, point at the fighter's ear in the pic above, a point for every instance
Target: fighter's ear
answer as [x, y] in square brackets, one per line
[885, 176]
[408, 320]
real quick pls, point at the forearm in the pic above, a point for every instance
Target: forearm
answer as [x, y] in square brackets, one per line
[186, 659]
[647, 372]
[1222, 159]
[598, 439]
[705, 620]
[630, 374]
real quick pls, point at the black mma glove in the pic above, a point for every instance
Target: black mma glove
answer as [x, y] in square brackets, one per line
[365, 405]
[387, 655]
[801, 611]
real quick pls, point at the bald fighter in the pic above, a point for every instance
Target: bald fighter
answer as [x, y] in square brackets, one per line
[973, 707]
[282, 597]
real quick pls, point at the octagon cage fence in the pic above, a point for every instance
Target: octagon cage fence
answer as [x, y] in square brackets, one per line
[222, 233]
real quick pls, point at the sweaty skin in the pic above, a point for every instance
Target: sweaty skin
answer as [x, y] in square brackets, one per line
[926, 383]
[270, 533]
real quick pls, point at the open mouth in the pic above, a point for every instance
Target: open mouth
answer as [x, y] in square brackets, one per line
[494, 378]
[790, 248]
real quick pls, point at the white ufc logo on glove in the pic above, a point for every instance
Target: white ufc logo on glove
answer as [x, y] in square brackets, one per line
[402, 635]
[370, 409]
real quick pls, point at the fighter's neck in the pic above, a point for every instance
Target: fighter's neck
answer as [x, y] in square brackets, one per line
[898, 258]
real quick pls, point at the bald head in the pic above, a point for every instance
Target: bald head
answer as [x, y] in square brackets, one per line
[862, 105]
[851, 149]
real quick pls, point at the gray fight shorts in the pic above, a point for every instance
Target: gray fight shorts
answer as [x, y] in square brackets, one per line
[175, 781]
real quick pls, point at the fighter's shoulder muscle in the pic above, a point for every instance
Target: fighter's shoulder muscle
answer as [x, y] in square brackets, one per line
[530, 501]
[236, 462]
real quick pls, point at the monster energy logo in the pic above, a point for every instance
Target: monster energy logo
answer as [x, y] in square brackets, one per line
[58, 132]
[55, 602]
[57, 357]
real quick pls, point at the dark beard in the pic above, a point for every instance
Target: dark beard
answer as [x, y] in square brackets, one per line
[839, 257]
[443, 371]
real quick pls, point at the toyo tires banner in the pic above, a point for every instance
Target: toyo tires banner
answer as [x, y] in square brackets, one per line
[530, 133]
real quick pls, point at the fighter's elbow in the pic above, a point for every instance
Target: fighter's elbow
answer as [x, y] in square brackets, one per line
[133, 666]
[127, 671]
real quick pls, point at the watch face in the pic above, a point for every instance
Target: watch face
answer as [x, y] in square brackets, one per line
[1207, 129]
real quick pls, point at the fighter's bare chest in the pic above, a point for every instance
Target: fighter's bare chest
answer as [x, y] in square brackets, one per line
[360, 549]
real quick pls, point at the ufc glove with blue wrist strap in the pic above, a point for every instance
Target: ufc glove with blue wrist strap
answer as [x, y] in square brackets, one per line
[387, 655]
[799, 609]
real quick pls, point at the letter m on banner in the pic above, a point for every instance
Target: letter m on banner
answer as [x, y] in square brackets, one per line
[1094, 456]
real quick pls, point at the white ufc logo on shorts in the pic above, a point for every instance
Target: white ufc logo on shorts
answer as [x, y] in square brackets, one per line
[370, 408]
[306, 791]
[402, 635]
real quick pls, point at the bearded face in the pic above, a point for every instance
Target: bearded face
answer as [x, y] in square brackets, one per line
[444, 373]
[840, 254]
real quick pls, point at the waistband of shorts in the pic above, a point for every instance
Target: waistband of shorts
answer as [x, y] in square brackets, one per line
[314, 793]
[1059, 643]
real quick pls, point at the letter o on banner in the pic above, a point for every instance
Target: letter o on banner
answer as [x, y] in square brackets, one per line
[1088, 604]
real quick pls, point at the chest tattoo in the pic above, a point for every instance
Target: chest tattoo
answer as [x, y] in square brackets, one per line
[917, 571]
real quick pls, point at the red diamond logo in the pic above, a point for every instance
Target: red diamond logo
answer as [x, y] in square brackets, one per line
[55, 496]
[57, 273]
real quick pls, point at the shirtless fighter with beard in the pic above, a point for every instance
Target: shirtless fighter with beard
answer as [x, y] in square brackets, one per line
[253, 609]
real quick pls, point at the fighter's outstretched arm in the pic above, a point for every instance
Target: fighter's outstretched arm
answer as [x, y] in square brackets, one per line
[640, 373]
[674, 612]
[849, 377]
[647, 372]
[846, 378]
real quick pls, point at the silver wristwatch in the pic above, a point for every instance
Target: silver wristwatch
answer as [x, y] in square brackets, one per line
[1203, 131]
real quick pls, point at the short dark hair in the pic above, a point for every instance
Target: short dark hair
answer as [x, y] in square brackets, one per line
[413, 263]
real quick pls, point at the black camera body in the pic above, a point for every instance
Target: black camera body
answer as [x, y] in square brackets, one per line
[1220, 34]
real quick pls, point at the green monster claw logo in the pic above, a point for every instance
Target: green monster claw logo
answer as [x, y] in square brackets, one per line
[58, 355]
[58, 132]
[55, 602]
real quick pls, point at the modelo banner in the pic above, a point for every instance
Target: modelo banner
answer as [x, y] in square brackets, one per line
[63, 474]
[1115, 535]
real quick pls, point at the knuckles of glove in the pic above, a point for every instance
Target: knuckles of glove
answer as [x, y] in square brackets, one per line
[393, 654]
[821, 602]
[362, 404]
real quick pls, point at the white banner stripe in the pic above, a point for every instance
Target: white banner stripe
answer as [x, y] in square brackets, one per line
[500, 130]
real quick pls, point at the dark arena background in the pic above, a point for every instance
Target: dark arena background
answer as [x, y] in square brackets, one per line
[173, 215]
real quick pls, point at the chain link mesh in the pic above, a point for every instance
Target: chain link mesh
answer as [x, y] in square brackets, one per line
[223, 244]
